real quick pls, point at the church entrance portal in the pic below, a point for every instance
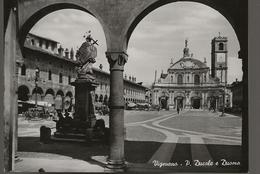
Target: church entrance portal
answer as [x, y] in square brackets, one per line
[196, 103]
[164, 102]
[179, 102]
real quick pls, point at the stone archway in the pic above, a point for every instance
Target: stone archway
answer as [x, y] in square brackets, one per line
[40, 9]
[241, 33]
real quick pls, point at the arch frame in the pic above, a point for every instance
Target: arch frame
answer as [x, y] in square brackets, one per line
[235, 11]
[28, 18]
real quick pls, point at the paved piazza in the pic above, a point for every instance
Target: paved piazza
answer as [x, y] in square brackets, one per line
[152, 138]
[200, 127]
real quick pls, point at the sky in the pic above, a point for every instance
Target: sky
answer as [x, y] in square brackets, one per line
[157, 39]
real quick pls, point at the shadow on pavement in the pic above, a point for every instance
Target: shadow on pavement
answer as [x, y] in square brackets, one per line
[136, 152]
[142, 152]
[76, 150]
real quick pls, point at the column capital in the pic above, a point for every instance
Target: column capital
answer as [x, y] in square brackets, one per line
[117, 60]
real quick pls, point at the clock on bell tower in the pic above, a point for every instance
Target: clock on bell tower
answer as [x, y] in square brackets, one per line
[219, 58]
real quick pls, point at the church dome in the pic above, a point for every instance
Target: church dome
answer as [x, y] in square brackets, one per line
[188, 63]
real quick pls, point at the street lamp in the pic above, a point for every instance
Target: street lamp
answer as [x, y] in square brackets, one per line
[36, 86]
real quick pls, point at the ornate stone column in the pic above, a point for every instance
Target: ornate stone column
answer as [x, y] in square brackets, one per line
[117, 61]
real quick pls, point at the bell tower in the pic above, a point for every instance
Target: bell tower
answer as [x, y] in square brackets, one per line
[219, 58]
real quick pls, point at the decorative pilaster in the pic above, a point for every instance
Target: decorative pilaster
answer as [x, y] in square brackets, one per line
[117, 61]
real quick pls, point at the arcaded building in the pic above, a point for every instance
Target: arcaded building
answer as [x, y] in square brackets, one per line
[190, 83]
[48, 69]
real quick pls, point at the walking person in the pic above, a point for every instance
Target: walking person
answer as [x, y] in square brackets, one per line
[178, 109]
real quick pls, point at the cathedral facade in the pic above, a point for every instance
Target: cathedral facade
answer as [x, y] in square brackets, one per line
[190, 84]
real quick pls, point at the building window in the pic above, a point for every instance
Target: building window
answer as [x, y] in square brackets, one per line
[180, 80]
[40, 43]
[49, 77]
[52, 46]
[32, 42]
[23, 70]
[196, 79]
[220, 46]
[47, 45]
[188, 78]
[60, 78]
[171, 79]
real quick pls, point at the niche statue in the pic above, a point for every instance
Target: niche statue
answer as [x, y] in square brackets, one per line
[86, 58]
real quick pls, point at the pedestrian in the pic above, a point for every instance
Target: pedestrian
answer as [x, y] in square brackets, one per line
[178, 110]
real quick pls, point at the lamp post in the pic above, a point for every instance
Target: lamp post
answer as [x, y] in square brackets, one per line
[224, 94]
[36, 86]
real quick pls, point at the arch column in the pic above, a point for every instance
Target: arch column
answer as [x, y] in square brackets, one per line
[117, 61]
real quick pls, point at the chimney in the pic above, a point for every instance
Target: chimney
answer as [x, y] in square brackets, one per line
[60, 51]
[67, 53]
[71, 53]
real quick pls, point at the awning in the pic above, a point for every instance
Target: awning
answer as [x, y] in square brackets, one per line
[39, 103]
[131, 105]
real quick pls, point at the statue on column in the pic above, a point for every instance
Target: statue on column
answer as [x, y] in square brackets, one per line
[86, 58]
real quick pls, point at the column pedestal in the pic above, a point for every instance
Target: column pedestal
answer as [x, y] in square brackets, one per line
[81, 126]
[84, 101]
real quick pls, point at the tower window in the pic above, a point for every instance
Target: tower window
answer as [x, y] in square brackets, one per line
[23, 70]
[37, 72]
[180, 80]
[50, 74]
[69, 79]
[221, 46]
[60, 78]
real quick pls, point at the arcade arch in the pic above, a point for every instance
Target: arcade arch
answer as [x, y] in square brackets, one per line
[23, 93]
[37, 92]
[49, 96]
[46, 8]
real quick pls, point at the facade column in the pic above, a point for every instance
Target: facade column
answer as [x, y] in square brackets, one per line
[117, 61]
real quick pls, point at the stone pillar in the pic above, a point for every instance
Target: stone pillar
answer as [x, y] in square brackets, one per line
[244, 55]
[117, 61]
[9, 94]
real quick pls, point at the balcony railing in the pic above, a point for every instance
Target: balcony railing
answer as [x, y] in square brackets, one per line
[188, 85]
